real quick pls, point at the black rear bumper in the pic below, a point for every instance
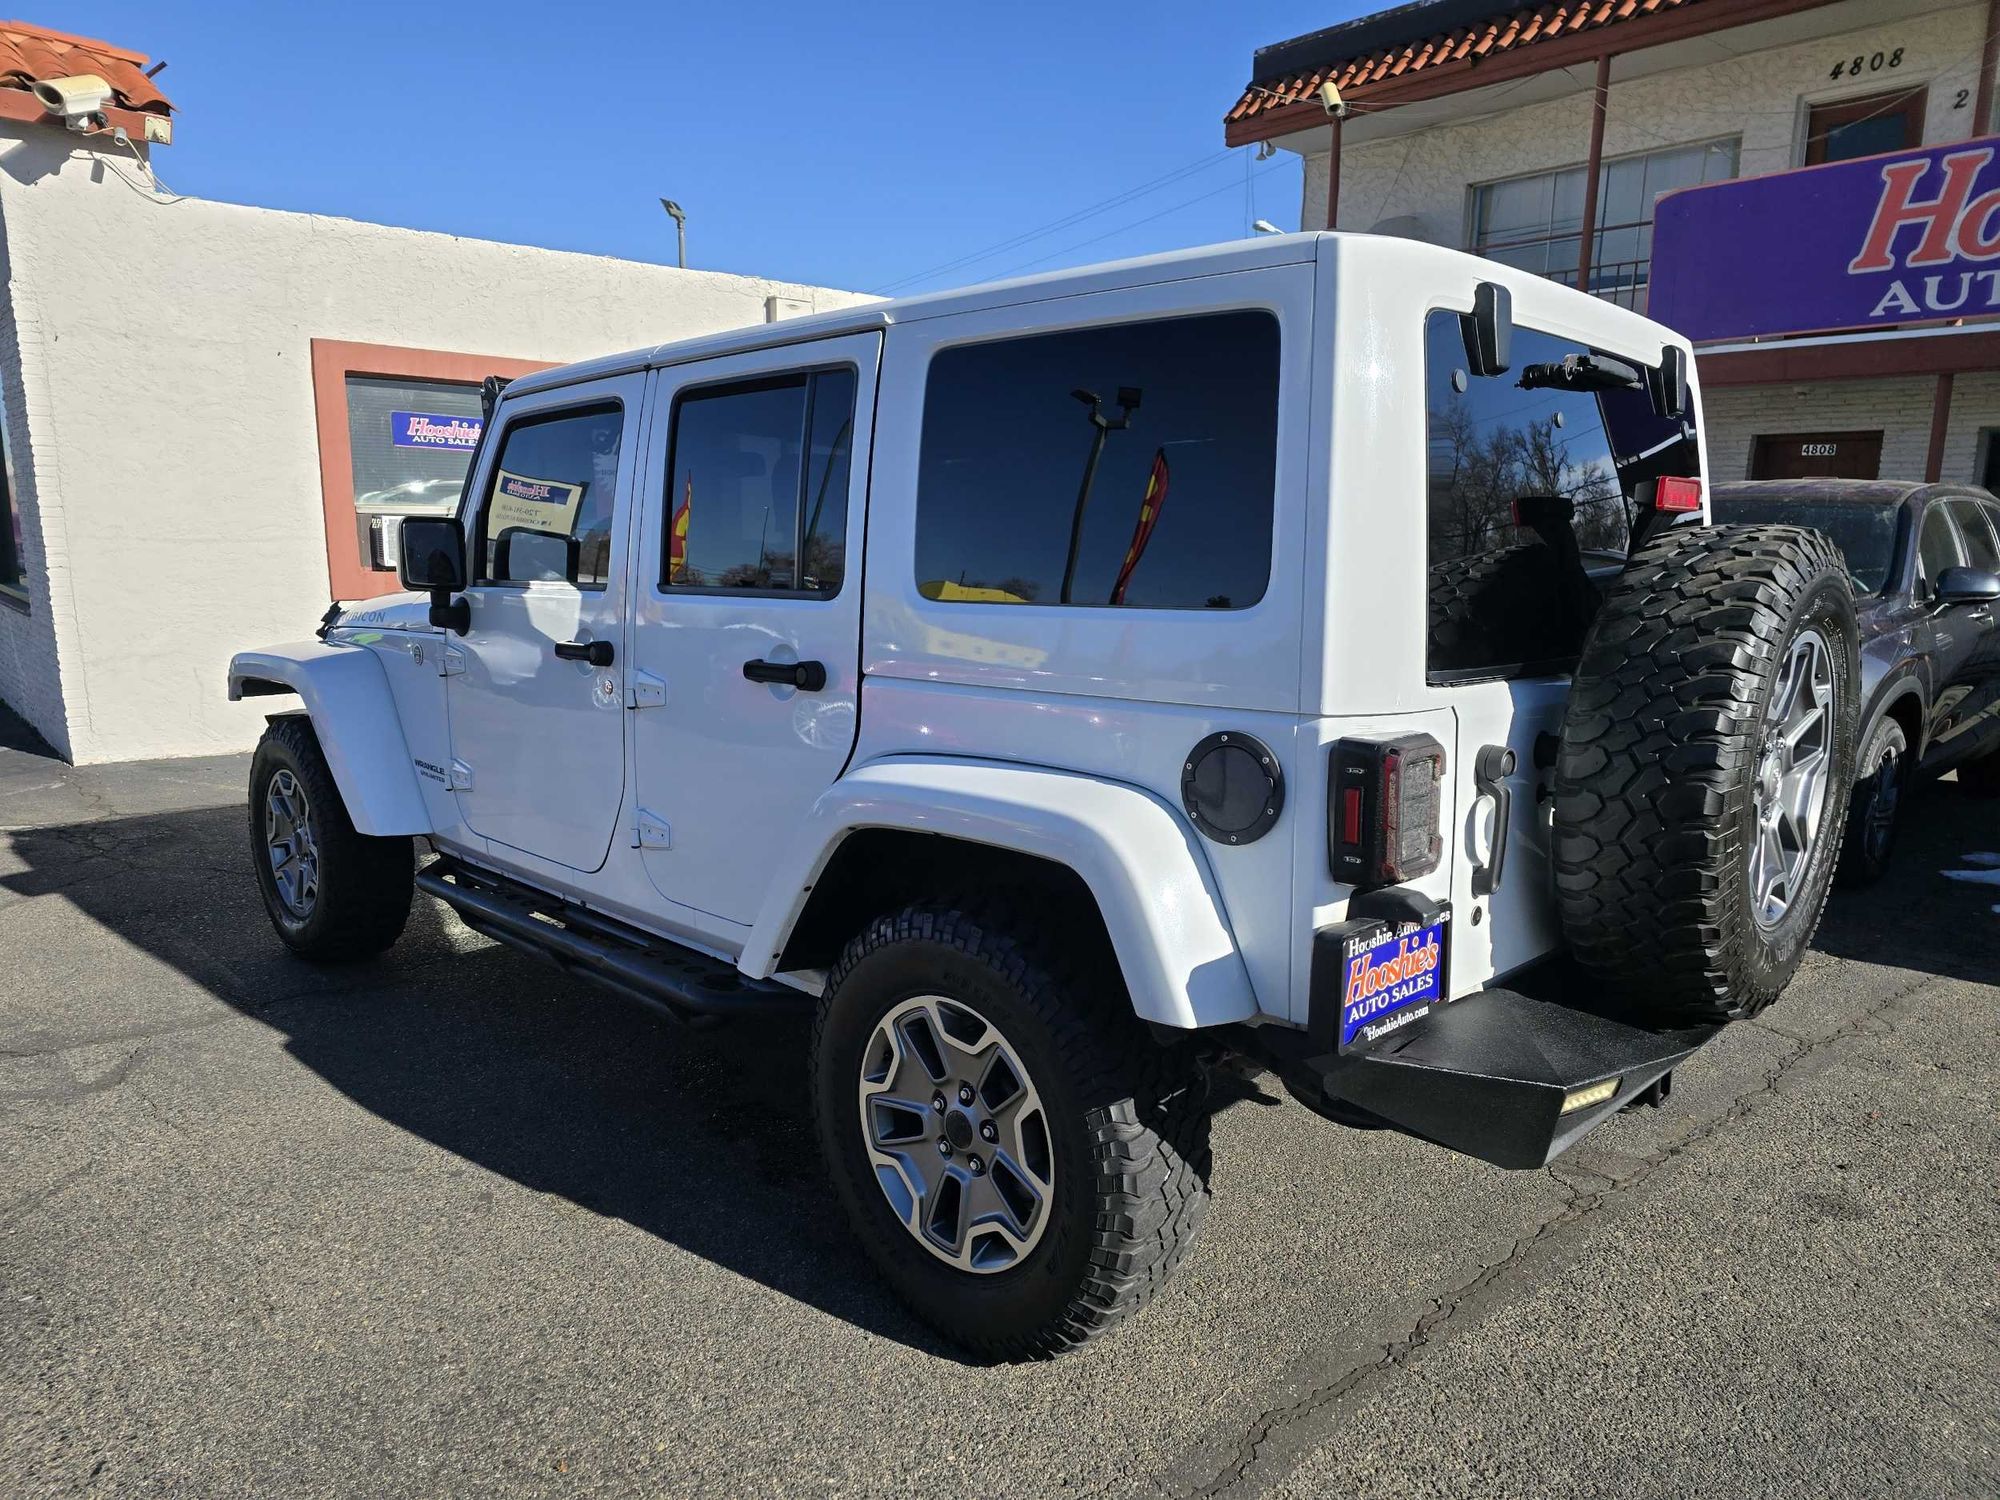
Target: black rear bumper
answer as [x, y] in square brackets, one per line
[1488, 1075]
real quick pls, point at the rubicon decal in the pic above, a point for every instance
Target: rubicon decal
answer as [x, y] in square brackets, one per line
[1390, 982]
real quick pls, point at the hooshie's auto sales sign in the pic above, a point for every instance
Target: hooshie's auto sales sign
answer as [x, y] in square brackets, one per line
[1902, 238]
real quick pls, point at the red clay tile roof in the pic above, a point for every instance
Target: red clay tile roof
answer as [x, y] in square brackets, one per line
[30, 53]
[1469, 41]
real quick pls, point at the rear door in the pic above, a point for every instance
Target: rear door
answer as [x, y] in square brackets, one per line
[1527, 519]
[537, 729]
[747, 610]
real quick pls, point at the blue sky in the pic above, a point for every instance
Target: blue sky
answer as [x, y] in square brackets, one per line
[855, 145]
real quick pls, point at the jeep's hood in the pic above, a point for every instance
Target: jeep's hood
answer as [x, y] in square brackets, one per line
[390, 612]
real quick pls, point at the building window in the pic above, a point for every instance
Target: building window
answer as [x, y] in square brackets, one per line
[1129, 464]
[1864, 127]
[396, 428]
[13, 545]
[757, 486]
[1536, 222]
[410, 442]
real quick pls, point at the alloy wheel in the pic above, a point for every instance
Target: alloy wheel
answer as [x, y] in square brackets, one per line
[1793, 771]
[957, 1134]
[293, 844]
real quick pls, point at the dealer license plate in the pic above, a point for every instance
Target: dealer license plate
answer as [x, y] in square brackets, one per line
[1389, 980]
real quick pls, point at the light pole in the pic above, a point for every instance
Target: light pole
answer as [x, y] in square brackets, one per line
[680, 228]
[1128, 402]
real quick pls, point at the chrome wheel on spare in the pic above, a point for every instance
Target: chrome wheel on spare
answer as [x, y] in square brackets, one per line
[1792, 776]
[957, 1134]
[292, 843]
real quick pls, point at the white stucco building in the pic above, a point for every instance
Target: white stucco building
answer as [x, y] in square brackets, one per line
[197, 394]
[1505, 128]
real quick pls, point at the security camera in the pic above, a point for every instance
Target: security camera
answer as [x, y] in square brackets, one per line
[79, 99]
[1331, 102]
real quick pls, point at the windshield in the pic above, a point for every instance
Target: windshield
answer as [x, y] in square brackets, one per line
[1865, 534]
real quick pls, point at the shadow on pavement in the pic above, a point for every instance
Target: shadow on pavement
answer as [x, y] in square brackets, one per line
[1918, 917]
[701, 1138]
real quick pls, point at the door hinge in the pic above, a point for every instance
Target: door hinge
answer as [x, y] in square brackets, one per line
[461, 776]
[650, 831]
[646, 691]
[451, 662]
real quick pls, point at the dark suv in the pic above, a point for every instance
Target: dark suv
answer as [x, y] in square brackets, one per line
[1925, 559]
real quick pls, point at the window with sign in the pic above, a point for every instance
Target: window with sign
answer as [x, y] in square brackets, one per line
[547, 513]
[410, 442]
[757, 485]
[1536, 222]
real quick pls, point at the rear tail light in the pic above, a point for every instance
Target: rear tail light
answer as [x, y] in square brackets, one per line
[1676, 496]
[1383, 810]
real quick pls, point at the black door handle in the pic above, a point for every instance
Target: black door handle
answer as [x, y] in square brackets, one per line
[1490, 770]
[806, 676]
[597, 653]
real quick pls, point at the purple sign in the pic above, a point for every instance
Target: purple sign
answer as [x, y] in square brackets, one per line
[1901, 238]
[428, 429]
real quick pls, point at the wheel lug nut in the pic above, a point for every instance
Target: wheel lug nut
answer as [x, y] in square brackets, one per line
[937, 1102]
[965, 1093]
[989, 1132]
[944, 1146]
[975, 1166]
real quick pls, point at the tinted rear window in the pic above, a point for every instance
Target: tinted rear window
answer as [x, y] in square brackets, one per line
[1533, 487]
[1865, 534]
[1043, 481]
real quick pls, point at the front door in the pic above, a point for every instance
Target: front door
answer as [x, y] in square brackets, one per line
[537, 709]
[1810, 455]
[747, 611]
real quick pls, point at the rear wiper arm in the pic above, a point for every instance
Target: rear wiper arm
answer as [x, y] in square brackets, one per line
[1583, 372]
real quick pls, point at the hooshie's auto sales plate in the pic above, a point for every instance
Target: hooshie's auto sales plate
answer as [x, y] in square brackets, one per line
[1389, 980]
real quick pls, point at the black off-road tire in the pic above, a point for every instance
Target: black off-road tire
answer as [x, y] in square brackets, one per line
[365, 884]
[1494, 610]
[1655, 803]
[1981, 777]
[1874, 813]
[1127, 1117]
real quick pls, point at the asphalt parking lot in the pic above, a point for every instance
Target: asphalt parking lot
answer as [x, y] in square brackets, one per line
[449, 1224]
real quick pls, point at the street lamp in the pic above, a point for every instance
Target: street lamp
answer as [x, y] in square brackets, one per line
[680, 228]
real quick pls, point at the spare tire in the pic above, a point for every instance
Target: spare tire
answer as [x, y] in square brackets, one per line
[1703, 773]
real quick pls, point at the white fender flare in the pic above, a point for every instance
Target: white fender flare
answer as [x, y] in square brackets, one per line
[347, 696]
[1139, 858]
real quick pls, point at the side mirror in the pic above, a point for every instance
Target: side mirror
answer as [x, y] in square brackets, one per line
[522, 554]
[1966, 586]
[433, 560]
[1489, 329]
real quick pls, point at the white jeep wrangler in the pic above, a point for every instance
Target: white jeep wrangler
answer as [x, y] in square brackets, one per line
[1063, 686]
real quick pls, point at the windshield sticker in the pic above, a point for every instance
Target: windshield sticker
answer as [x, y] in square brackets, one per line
[429, 429]
[546, 505]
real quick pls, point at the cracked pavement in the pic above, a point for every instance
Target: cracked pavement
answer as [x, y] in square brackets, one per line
[448, 1223]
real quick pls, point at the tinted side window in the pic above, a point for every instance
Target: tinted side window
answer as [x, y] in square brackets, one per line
[1534, 476]
[547, 514]
[1937, 548]
[757, 486]
[1982, 550]
[1130, 465]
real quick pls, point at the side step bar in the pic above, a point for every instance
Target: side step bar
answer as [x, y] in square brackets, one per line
[677, 982]
[1500, 1075]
